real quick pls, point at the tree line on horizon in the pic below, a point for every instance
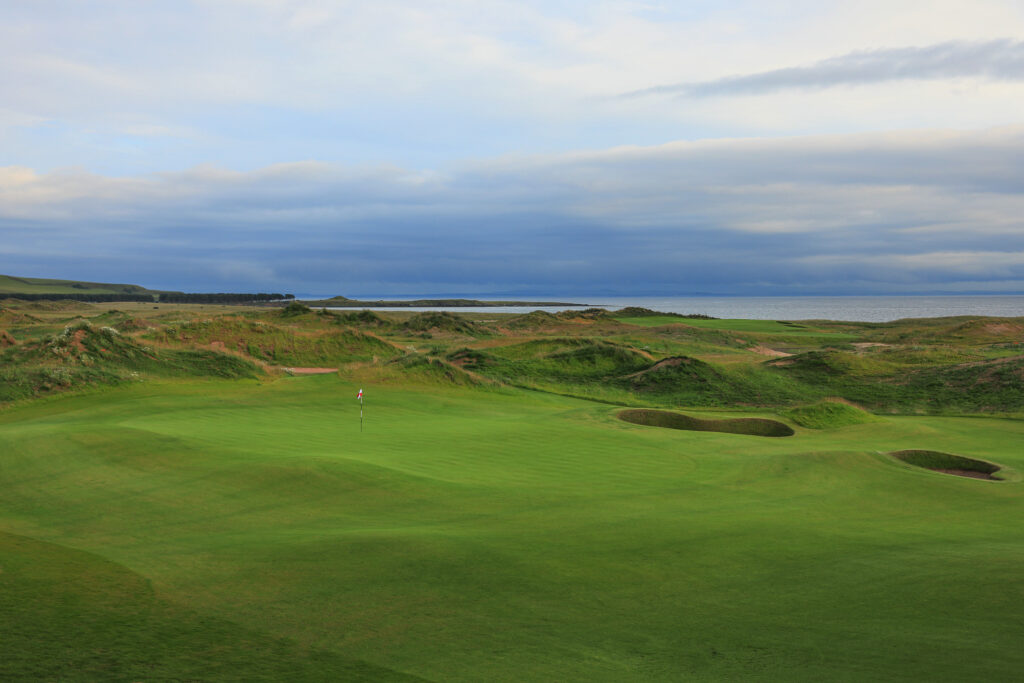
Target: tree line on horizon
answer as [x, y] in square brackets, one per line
[220, 298]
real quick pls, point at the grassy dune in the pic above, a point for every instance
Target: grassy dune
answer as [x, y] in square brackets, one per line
[492, 534]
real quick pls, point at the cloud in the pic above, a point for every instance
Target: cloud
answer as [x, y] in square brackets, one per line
[827, 214]
[997, 60]
[122, 89]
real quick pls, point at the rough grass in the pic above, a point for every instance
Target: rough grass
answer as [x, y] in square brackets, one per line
[85, 356]
[532, 320]
[752, 426]
[690, 381]
[275, 343]
[563, 359]
[640, 312]
[440, 322]
[10, 285]
[586, 314]
[362, 318]
[877, 380]
[294, 309]
[419, 367]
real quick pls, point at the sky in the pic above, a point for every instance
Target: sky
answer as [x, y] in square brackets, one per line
[476, 148]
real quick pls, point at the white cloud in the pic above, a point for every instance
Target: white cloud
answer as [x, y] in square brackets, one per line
[487, 63]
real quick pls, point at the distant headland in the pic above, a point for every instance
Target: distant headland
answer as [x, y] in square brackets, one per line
[345, 302]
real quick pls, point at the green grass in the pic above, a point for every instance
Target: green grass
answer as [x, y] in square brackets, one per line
[736, 325]
[73, 616]
[227, 531]
[829, 415]
[82, 356]
[32, 285]
[276, 344]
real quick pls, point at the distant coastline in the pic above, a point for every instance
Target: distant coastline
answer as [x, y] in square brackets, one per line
[883, 308]
[344, 302]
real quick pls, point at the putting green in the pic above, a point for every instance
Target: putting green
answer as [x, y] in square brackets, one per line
[471, 534]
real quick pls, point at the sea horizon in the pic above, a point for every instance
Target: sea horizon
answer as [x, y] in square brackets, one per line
[859, 308]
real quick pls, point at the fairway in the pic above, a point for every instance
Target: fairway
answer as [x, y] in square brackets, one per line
[493, 534]
[736, 325]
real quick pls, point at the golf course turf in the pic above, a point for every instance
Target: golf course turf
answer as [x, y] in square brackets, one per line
[177, 524]
[472, 534]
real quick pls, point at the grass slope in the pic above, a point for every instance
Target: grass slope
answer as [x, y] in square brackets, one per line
[495, 535]
[275, 343]
[10, 285]
[83, 355]
[829, 415]
[72, 616]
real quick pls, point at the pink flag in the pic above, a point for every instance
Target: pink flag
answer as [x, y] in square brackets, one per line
[360, 395]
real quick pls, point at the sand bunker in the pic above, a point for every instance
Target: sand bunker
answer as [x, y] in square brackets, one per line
[309, 371]
[948, 463]
[752, 426]
[766, 351]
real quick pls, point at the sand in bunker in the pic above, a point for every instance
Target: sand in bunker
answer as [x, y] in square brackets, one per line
[310, 371]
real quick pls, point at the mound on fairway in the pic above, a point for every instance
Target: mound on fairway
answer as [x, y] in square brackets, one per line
[471, 359]
[586, 314]
[948, 463]
[363, 318]
[562, 358]
[685, 381]
[829, 415]
[415, 366]
[275, 343]
[82, 356]
[532, 320]
[752, 426]
[641, 312]
[441, 322]
[668, 373]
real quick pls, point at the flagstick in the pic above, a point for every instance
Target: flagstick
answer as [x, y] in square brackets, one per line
[360, 413]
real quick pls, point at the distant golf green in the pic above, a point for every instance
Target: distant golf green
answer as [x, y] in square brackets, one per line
[737, 325]
[200, 529]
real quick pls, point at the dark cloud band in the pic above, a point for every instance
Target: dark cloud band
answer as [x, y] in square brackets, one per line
[735, 216]
[1001, 60]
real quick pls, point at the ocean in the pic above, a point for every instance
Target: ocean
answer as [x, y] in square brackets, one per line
[855, 308]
